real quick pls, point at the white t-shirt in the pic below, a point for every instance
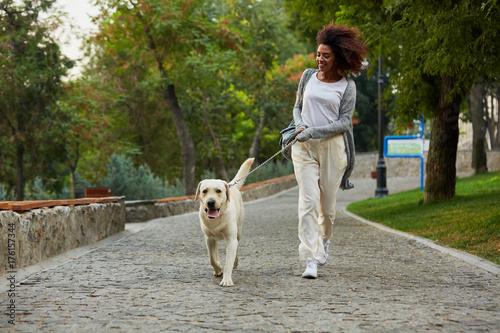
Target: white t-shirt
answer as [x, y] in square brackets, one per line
[321, 101]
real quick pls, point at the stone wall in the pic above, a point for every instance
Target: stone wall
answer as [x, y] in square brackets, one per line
[410, 167]
[142, 211]
[43, 233]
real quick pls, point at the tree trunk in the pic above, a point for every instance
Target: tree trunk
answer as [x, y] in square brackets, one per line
[441, 161]
[20, 173]
[73, 166]
[215, 141]
[497, 138]
[489, 120]
[492, 122]
[477, 94]
[186, 142]
[187, 147]
[254, 150]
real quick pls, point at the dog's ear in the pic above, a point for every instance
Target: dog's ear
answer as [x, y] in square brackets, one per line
[227, 192]
[197, 195]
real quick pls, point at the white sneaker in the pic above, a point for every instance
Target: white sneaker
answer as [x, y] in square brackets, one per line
[311, 271]
[326, 246]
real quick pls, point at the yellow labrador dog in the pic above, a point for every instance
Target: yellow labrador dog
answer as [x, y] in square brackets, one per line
[221, 218]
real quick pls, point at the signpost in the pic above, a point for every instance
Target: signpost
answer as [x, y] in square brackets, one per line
[407, 146]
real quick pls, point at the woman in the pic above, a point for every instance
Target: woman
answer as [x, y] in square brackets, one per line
[323, 157]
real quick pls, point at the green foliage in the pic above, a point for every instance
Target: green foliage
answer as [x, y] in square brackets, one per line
[271, 170]
[470, 221]
[31, 68]
[5, 193]
[146, 48]
[435, 52]
[459, 39]
[277, 98]
[7, 162]
[420, 42]
[366, 130]
[231, 65]
[38, 190]
[219, 55]
[137, 183]
[96, 127]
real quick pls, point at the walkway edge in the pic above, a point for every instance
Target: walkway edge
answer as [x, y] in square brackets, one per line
[467, 257]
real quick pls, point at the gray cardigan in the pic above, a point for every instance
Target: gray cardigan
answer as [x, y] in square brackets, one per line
[342, 126]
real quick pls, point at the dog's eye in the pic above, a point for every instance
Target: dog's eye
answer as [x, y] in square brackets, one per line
[218, 191]
[205, 191]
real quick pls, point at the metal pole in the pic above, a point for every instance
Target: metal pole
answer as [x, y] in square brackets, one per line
[381, 190]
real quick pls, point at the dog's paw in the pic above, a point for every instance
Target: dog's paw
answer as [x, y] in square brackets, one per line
[226, 283]
[218, 271]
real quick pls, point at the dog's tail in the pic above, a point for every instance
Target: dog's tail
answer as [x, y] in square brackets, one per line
[242, 172]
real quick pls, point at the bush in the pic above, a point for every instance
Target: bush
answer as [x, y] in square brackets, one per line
[137, 183]
[120, 176]
[5, 195]
[37, 190]
[269, 171]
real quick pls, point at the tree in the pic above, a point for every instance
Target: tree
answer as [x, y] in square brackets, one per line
[463, 47]
[366, 112]
[124, 99]
[158, 35]
[269, 45]
[440, 50]
[31, 68]
[277, 98]
[94, 129]
[212, 104]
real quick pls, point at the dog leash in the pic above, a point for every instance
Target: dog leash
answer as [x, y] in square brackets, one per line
[234, 182]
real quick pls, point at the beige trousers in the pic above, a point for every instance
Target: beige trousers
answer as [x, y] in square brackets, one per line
[319, 165]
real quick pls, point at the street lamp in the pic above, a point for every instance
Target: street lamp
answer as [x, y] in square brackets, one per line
[381, 190]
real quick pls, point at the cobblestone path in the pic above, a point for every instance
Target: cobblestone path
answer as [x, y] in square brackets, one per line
[160, 279]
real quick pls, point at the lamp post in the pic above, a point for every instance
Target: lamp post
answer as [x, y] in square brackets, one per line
[381, 190]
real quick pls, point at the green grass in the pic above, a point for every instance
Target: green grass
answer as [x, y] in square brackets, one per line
[469, 222]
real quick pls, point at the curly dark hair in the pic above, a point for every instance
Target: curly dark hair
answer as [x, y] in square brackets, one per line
[346, 44]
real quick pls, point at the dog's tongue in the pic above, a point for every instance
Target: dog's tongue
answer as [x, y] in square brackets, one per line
[213, 213]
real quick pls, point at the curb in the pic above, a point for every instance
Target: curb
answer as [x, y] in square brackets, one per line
[467, 257]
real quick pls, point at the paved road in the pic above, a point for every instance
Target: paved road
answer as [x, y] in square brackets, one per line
[159, 279]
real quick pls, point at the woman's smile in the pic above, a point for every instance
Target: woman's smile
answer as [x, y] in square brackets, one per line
[325, 58]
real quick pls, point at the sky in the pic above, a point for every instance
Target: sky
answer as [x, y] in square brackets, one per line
[80, 13]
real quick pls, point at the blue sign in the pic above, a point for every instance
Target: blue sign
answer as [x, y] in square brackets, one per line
[407, 146]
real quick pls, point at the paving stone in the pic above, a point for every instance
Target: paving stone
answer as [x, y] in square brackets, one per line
[160, 279]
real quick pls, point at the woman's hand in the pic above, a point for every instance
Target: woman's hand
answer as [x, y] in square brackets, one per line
[304, 135]
[297, 132]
